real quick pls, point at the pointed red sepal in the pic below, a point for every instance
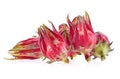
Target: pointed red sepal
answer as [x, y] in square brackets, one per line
[26, 49]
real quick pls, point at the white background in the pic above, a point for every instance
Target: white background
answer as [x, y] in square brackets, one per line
[19, 19]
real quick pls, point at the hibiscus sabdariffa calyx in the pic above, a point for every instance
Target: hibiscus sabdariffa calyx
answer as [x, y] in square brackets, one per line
[73, 38]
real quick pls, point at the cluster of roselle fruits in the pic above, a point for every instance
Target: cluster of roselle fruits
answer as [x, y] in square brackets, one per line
[75, 38]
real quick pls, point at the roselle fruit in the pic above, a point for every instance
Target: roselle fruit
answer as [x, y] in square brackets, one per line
[102, 46]
[73, 38]
[83, 38]
[64, 30]
[52, 44]
[26, 49]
